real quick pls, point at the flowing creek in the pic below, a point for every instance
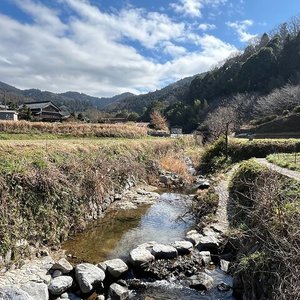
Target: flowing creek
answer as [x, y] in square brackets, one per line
[121, 230]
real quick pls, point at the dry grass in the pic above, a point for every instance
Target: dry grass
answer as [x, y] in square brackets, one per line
[74, 129]
[267, 212]
[51, 189]
[174, 163]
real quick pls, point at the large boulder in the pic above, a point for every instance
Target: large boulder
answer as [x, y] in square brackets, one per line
[60, 284]
[118, 292]
[115, 267]
[14, 293]
[63, 265]
[88, 277]
[161, 251]
[140, 256]
[183, 247]
[201, 281]
[38, 291]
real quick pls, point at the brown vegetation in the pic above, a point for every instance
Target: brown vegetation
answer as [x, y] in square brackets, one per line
[74, 129]
[267, 217]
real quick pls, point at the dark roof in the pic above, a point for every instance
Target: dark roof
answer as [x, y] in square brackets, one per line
[39, 105]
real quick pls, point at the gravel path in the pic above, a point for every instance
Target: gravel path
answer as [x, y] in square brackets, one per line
[286, 172]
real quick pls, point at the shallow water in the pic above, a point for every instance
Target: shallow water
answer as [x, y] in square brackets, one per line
[163, 290]
[120, 231]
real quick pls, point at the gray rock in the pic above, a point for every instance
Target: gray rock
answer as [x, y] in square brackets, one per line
[183, 247]
[70, 296]
[206, 257]
[88, 276]
[8, 255]
[201, 281]
[161, 251]
[203, 184]
[14, 293]
[60, 284]
[223, 287]
[165, 179]
[63, 265]
[208, 243]
[38, 291]
[57, 273]
[224, 265]
[194, 237]
[118, 292]
[116, 267]
[140, 255]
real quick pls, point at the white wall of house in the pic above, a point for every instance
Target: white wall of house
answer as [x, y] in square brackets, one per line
[8, 115]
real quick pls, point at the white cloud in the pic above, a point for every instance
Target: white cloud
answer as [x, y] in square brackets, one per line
[206, 26]
[241, 28]
[174, 50]
[193, 8]
[89, 52]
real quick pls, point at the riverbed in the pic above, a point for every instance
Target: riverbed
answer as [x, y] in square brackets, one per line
[121, 230]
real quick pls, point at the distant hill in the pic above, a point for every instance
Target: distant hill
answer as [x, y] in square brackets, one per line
[100, 103]
[73, 101]
[175, 92]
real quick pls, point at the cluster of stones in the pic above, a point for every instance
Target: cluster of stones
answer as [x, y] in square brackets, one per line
[65, 282]
[77, 283]
[168, 262]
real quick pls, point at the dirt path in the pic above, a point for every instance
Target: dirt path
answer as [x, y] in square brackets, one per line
[221, 189]
[286, 172]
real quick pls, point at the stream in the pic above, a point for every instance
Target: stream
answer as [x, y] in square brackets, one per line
[121, 230]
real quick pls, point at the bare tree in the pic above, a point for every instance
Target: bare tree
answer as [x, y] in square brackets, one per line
[223, 121]
[285, 98]
[158, 121]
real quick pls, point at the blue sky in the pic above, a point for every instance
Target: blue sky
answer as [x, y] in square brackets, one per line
[106, 47]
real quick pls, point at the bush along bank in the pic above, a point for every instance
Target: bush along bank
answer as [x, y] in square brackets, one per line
[214, 156]
[265, 234]
[46, 194]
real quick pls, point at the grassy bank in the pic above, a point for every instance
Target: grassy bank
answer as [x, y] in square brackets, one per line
[286, 160]
[70, 129]
[214, 157]
[265, 219]
[51, 189]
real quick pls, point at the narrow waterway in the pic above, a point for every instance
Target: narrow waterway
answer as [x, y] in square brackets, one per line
[122, 230]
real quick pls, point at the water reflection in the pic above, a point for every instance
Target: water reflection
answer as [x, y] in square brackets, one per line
[120, 231]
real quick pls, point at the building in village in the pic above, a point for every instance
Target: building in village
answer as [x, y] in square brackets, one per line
[46, 111]
[8, 115]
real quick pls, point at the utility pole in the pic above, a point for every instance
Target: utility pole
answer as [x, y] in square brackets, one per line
[5, 100]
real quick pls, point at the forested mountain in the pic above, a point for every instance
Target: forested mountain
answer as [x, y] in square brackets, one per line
[80, 102]
[170, 94]
[263, 78]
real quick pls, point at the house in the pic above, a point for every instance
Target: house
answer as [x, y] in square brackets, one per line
[176, 131]
[46, 111]
[8, 115]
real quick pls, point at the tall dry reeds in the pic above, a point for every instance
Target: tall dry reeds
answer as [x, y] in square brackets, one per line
[74, 129]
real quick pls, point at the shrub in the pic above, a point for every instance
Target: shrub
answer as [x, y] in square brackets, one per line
[265, 207]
